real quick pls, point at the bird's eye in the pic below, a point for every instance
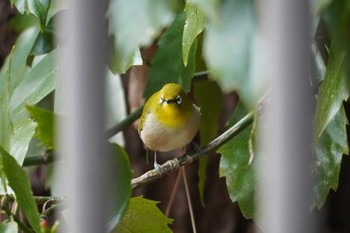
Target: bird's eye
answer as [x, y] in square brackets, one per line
[161, 100]
[178, 99]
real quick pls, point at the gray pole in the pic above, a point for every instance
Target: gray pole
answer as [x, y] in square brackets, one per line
[286, 130]
[81, 135]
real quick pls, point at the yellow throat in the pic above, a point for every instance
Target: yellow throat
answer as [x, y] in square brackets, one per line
[169, 120]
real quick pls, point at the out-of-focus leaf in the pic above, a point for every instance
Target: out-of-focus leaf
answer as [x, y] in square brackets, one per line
[119, 65]
[9, 227]
[228, 44]
[167, 65]
[329, 150]
[320, 66]
[38, 83]
[210, 110]
[38, 8]
[137, 23]
[20, 53]
[332, 92]
[121, 187]
[337, 17]
[5, 119]
[43, 44]
[194, 25]
[115, 105]
[19, 22]
[45, 125]
[5, 122]
[23, 131]
[19, 182]
[210, 8]
[143, 216]
[321, 5]
[200, 65]
[14, 137]
[238, 173]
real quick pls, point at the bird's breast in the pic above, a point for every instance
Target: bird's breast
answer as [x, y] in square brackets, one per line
[160, 137]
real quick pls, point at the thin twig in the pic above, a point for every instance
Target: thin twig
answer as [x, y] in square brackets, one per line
[172, 195]
[189, 202]
[188, 158]
[200, 76]
[40, 200]
[46, 158]
[51, 210]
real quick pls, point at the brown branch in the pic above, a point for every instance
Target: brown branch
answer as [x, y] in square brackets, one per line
[188, 158]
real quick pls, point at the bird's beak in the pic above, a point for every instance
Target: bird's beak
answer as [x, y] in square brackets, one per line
[170, 101]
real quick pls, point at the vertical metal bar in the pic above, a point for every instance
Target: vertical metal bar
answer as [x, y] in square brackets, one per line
[81, 135]
[285, 156]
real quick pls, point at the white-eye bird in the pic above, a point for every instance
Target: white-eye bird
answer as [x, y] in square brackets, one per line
[169, 120]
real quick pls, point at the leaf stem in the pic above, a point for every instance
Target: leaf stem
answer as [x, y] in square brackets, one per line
[188, 158]
[46, 158]
[124, 123]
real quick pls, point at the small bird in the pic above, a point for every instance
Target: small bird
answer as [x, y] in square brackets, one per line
[169, 120]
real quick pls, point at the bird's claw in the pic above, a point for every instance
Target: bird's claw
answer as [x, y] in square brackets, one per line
[198, 149]
[157, 167]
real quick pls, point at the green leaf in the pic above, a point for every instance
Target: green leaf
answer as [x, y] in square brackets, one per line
[210, 8]
[5, 120]
[19, 182]
[240, 177]
[121, 187]
[332, 91]
[200, 65]
[38, 83]
[210, 112]
[45, 40]
[38, 8]
[44, 43]
[228, 44]
[167, 65]
[18, 68]
[329, 150]
[45, 125]
[14, 135]
[137, 23]
[23, 131]
[119, 65]
[194, 25]
[143, 216]
[9, 227]
[321, 5]
[336, 17]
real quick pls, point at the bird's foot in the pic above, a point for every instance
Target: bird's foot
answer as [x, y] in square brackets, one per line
[198, 149]
[157, 166]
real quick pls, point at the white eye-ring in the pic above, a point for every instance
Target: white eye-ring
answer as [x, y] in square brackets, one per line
[161, 100]
[178, 99]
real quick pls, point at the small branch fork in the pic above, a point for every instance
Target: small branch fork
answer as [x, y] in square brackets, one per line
[187, 158]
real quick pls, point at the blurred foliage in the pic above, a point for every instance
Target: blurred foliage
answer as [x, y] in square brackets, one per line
[143, 215]
[197, 35]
